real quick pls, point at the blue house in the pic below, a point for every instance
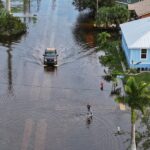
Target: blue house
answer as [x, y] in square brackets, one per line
[136, 43]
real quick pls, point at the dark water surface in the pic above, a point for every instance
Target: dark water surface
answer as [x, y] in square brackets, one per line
[45, 108]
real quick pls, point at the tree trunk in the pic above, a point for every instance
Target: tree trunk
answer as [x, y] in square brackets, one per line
[133, 143]
[8, 7]
[133, 118]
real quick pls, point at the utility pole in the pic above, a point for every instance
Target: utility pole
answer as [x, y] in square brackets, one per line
[8, 7]
[95, 24]
[97, 6]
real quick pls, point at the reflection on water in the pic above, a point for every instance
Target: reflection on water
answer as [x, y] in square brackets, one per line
[53, 4]
[26, 6]
[84, 31]
[38, 5]
[18, 8]
[6, 41]
[26, 10]
[9, 65]
[50, 69]
[88, 122]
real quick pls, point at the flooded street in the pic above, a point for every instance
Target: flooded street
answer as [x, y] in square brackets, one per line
[45, 108]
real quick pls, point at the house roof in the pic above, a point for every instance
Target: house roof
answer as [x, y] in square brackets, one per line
[141, 8]
[137, 33]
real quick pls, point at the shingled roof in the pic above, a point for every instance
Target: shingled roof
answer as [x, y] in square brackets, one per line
[141, 8]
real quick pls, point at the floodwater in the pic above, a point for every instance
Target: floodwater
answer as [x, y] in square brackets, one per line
[45, 108]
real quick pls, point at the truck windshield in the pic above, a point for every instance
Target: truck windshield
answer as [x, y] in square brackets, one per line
[50, 53]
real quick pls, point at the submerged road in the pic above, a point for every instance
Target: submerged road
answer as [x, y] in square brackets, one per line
[45, 108]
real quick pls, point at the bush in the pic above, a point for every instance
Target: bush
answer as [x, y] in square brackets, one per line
[10, 25]
[1, 4]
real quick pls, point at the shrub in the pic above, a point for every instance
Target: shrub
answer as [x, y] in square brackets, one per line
[10, 25]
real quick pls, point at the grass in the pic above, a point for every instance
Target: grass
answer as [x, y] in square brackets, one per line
[143, 76]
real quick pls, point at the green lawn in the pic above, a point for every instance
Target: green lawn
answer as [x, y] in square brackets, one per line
[145, 76]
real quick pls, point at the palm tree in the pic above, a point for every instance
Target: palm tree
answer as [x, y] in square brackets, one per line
[103, 39]
[137, 98]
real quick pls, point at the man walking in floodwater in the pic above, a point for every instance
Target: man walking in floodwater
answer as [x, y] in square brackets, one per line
[101, 85]
[89, 114]
[88, 107]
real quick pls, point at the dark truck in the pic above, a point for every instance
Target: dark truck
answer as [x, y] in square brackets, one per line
[50, 56]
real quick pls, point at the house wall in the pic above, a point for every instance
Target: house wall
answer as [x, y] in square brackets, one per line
[126, 50]
[133, 57]
[136, 57]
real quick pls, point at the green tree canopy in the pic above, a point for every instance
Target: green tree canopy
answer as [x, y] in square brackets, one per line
[112, 15]
[1, 4]
[103, 39]
[10, 25]
[138, 94]
[91, 4]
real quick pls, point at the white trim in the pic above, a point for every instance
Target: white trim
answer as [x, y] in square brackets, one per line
[145, 63]
[142, 63]
[135, 48]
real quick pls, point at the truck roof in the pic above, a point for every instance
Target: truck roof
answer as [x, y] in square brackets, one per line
[50, 49]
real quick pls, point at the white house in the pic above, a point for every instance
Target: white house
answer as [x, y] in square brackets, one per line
[136, 43]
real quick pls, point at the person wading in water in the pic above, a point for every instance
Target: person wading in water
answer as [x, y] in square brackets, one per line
[89, 114]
